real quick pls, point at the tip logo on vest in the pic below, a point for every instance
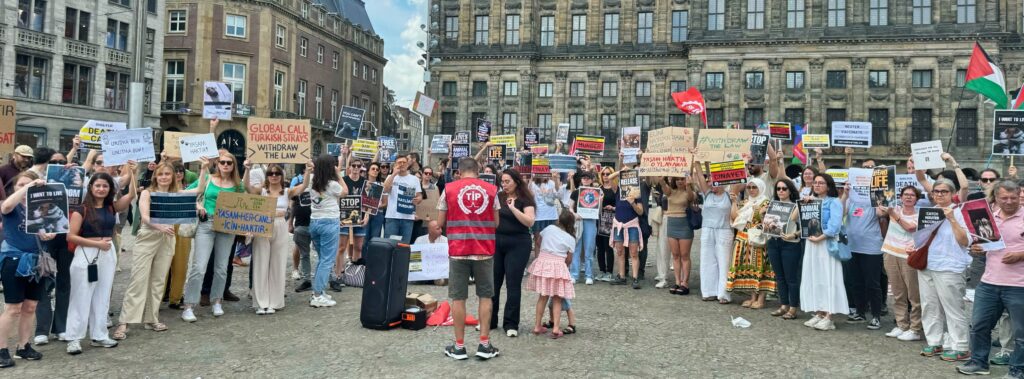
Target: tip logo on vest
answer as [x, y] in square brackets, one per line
[473, 199]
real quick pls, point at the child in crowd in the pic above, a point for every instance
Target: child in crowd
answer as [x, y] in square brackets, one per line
[549, 273]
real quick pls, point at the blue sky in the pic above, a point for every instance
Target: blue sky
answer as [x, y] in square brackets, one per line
[398, 22]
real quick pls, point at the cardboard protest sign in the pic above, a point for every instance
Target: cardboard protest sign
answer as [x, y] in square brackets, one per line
[777, 218]
[883, 186]
[561, 163]
[428, 261]
[461, 137]
[629, 184]
[780, 130]
[840, 176]
[810, 219]
[424, 105]
[670, 140]
[371, 197]
[121, 146]
[715, 156]
[439, 143]
[8, 120]
[172, 208]
[334, 149]
[927, 155]
[427, 208]
[349, 123]
[351, 210]
[365, 148]
[218, 99]
[590, 145]
[92, 132]
[731, 172]
[73, 179]
[274, 140]
[727, 140]
[197, 146]
[813, 141]
[665, 164]
[171, 147]
[509, 140]
[629, 144]
[483, 130]
[47, 209]
[758, 149]
[588, 203]
[244, 214]
[388, 149]
[981, 225]
[851, 134]
[1007, 133]
[541, 166]
[530, 137]
[562, 133]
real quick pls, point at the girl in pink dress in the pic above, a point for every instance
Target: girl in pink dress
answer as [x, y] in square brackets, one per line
[549, 273]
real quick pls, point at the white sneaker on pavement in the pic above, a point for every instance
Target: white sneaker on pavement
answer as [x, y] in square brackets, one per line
[41, 340]
[661, 284]
[296, 275]
[813, 321]
[218, 310]
[590, 281]
[74, 347]
[321, 301]
[188, 315]
[825, 324]
[909, 335]
[895, 332]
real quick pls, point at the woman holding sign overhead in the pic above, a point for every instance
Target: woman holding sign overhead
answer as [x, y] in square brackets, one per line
[270, 255]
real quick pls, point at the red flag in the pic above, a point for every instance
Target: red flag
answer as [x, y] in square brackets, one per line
[691, 102]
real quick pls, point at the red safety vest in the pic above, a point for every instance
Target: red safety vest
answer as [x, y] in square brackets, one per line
[470, 219]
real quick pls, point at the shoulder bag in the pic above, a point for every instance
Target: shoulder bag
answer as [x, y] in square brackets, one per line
[918, 258]
[355, 274]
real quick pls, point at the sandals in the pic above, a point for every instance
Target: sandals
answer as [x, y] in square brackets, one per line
[746, 303]
[791, 314]
[548, 324]
[724, 301]
[674, 290]
[683, 290]
[709, 298]
[556, 334]
[571, 329]
[780, 311]
[156, 327]
[120, 333]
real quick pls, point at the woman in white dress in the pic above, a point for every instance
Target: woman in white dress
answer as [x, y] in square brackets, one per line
[821, 281]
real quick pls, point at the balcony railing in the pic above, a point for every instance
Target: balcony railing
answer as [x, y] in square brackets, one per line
[119, 58]
[81, 49]
[36, 40]
[174, 107]
[244, 110]
[282, 114]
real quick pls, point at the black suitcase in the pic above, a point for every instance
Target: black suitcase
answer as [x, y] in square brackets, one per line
[385, 284]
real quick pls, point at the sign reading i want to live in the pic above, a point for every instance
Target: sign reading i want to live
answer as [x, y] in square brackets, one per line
[273, 140]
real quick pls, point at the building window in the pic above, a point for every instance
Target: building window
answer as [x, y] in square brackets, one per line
[451, 28]
[714, 80]
[610, 89]
[680, 25]
[965, 11]
[878, 12]
[76, 24]
[281, 37]
[645, 27]
[643, 89]
[794, 80]
[922, 12]
[30, 76]
[967, 127]
[921, 125]
[512, 29]
[319, 102]
[174, 81]
[320, 54]
[483, 33]
[32, 14]
[300, 98]
[117, 35]
[304, 9]
[544, 126]
[334, 60]
[279, 81]
[579, 30]
[234, 77]
[961, 78]
[234, 26]
[752, 117]
[577, 124]
[922, 78]
[677, 120]
[879, 119]
[878, 79]
[449, 88]
[794, 116]
[511, 88]
[610, 126]
[115, 94]
[364, 72]
[355, 68]
[795, 12]
[509, 122]
[755, 14]
[716, 118]
[320, 18]
[676, 86]
[448, 122]
[577, 89]
[716, 14]
[835, 79]
[545, 89]
[644, 122]
[479, 88]
[836, 13]
[77, 88]
[303, 46]
[833, 115]
[611, 28]
[547, 31]
[755, 80]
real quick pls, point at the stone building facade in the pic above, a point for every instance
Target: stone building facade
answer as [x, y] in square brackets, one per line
[601, 65]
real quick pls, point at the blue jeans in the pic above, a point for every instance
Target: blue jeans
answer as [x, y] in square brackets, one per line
[324, 233]
[373, 230]
[989, 302]
[584, 249]
[398, 227]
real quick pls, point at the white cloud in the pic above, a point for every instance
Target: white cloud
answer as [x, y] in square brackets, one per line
[417, 2]
[402, 74]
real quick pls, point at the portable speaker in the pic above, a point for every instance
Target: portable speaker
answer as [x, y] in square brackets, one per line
[385, 283]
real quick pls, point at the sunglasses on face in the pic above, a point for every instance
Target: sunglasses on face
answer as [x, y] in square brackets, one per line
[226, 163]
[98, 163]
[983, 180]
[782, 189]
[356, 165]
[275, 173]
[57, 161]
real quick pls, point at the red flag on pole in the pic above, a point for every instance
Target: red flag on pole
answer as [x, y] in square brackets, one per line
[691, 102]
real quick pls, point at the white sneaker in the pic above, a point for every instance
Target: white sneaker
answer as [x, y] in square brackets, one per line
[41, 340]
[270, 311]
[825, 324]
[296, 275]
[74, 347]
[512, 333]
[909, 335]
[895, 332]
[590, 281]
[188, 315]
[218, 310]
[661, 284]
[261, 311]
[477, 327]
[813, 321]
[320, 301]
[107, 343]
[62, 337]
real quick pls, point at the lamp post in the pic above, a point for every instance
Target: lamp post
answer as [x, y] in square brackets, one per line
[426, 61]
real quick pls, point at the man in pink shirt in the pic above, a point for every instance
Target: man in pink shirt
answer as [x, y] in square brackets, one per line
[1001, 287]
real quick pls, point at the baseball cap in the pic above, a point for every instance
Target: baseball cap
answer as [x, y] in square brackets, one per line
[24, 150]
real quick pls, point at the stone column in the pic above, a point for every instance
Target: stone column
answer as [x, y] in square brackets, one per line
[465, 90]
[593, 109]
[660, 91]
[733, 95]
[560, 99]
[815, 83]
[776, 88]
[900, 85]
[858, 88]
[493, 99]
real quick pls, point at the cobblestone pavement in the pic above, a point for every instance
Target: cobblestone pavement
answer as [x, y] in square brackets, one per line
[622, 333]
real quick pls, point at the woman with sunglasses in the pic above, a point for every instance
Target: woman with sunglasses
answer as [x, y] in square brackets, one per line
[680, 197]
[354, 235]
[821, 277]
[750, 270]
[209, 242]
[375, 225]
[716, 238]
[903, 278]
[605, 253]
[786, 254]
[182, 248]
[324, 223]
[270, 255]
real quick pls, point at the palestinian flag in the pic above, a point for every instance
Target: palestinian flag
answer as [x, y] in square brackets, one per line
[1018, 102]
[985, 77]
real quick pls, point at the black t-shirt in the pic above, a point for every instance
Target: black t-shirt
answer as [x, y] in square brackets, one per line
[300, 208]
[355, 187]
[609, 197]
[508, 224]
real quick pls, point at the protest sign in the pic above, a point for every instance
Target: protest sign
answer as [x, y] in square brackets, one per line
[424, 105]
[758, 149]
[218, 100]
[927, 155]
[665, 164]
[726, 140]
[630, 142]
[813, 141]
[244, 214]
[172, 208]
[604, 223]
[523, 163]
[851, 134]
[461, 137]
[388, 149]
[541, 166]
[509, 140]
[810, 219]
[780, 130]
[489, 178]
[588, 203]
[47, 209]
[629, 159]
[439, 143]
[539, 150]
[927, 216]
[629, 184]
[365, 148]
[590, 145]
[562, 133]
[459, 151]
[530, 137]
[334, 149]
[351, 210]
[73, 179]
[883, 186]
[777, 218]
[427, 208]
[978, 217]
[121, 146]
[272, 140]
[8, 120]
[715, 156]
[905, 180]
[860, 183]
[171, 146]
[561, 163]
[93, 130]
[483, 130]
[428, 261]
[349, 123]
[731, 172]
[1007, 132]
[197, 146]
[670, 140]
[496, 154]
[840, 176]
[372, 194]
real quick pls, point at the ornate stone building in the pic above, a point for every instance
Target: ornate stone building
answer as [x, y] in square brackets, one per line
[601, 65]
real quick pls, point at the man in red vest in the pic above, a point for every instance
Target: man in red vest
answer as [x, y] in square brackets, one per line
[470, 210]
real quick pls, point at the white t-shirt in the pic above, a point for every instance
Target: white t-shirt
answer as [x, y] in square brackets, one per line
[556, 241]
[403, 190]
[426, 239]
[546, 196]
[325, 205]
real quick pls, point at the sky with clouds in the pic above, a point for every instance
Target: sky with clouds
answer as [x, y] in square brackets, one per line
[398, 22]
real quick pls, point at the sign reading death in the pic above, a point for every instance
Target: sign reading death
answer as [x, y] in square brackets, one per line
[664, 164]
[731, 172]
[272, 140]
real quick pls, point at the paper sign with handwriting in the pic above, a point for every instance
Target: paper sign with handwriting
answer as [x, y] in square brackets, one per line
[8, 119]
[670, 140]
[664, 164]
[121, 146]
[244, 214]
[727, 140]
[197, 146]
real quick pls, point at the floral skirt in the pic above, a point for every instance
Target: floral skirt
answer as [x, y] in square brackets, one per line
[750, 270]
[549, 276]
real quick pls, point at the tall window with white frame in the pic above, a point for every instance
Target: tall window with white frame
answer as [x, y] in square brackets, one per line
[511, 88]
[921, 79]
[755, 14]
[545, 89]
[318, 102]
[509, 122]
[610, 126]
[300, 98]
[174, 81]
[320, 54]
[334, 60]
[279, 80]
[714, 81]
[512, 29]
[645, 27]
[451, 28]
[334, 105]
[544, 126]
[878, 12]
[177, 21]
[303, 46]
[755, 80]
[611, 28]
[547, 31]
[922, 12]
[77, 88]
[32, 14]
[610, 89]
[482, 35]
[795, 13]
[76, 24]
[115, 91]
[643, 89]
[795, 80]
[577, 124]
[281, 37]
[234, 26]
[966, 11]
[680, 26]
[117, 35]
[836, 13]
[579, 30]
[716, 14]
[234, 77]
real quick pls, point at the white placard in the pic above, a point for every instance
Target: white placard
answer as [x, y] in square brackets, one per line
[851, 134]
[197, 146]
[629, 144]
[424, 105]
[927, 155]
[217, 101]
[430, 264]
[860, 183]
[121, 146]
